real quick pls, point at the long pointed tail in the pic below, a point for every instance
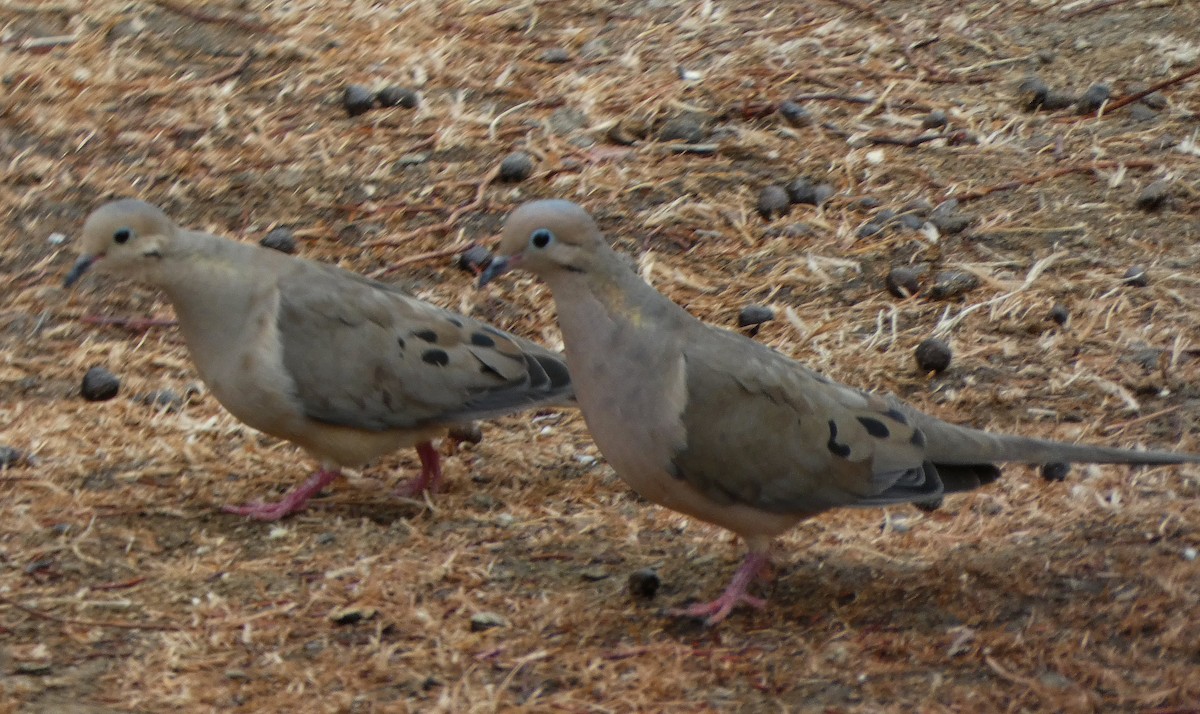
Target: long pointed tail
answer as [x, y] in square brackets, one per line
[956, 445]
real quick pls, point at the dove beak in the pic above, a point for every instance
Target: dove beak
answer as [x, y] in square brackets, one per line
[499, 266]
[81, 266]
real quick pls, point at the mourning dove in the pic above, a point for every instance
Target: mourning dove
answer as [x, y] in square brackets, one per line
[719, 427]
[347, 368]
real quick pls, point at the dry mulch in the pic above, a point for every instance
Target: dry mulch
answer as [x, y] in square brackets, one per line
[123, 588]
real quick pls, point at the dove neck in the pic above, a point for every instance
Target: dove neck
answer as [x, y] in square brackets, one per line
[211, 282]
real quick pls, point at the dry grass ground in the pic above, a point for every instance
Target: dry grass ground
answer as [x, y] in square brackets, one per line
[123, 588]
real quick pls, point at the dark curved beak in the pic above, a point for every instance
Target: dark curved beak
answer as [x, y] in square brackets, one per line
[81, 266]
[499, 266]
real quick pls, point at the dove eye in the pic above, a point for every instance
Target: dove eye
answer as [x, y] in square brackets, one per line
[122, 235]
[541, 238]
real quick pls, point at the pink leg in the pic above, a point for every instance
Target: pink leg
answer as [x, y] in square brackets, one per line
[735, 594]
[292, 502]
[430, 478]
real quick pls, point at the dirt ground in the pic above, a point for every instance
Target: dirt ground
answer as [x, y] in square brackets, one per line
[123, 587]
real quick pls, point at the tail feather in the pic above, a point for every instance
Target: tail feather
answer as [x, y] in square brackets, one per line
[950, 445]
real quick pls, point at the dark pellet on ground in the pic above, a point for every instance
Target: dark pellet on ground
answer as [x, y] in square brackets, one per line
[474, 259]
[357, 99]
[644, 583]
[935, 119]
[1032, 92]
[1055, 472]
[773, 201]
[933, 355]
[1059, 313]
[281, 239]
[556, 55]
[99, 385]
[1057, 100]
[794, 114]
[517, 166]
[398, 97]
[688, 128]
[903, 281]
[470, 433]
[1136, 277]
[754, 315]
[1094, 98]
[801, 190]
[949, 284]
[10, 457]
[1154, 196]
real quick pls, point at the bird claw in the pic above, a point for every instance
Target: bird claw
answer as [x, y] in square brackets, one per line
[261, 511]
[719, 609]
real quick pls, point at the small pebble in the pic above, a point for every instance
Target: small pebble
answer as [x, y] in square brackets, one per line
[326, 539]
[556, 55]
[357, 99]
[352, 615]
[1031, 92]
[99, 385]
[161, 399]
[822, 193]
[947, 218]
[1190, 553]
[935, 119]
[644, 583]
[474, 259]
[1142, 113]
[933, 355]
[1057, 100]
[1059, 313]
[393, 96]
[1055, 472]
[868, 229]
[281, 239]
[481, 621]
[1094, 98]
[911, 221]
[868, 203]
[1154, 196]
[773, 201]
[10, 457]
[688, 128]
[754, 315]
[1136, 277]
[594, 574]
[801, 190]
[515, 167]
[794, 114]
[949, 284]
[903, 281]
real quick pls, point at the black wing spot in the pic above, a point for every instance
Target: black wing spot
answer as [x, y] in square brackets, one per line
[918, 439]
[454, 321]
[436, 357]
[835, 448]
[896, 415]
[480, 339]
[428, 335]
[400, 341]
[874, 427]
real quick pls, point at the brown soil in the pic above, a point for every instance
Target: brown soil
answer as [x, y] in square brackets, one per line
[123, 588]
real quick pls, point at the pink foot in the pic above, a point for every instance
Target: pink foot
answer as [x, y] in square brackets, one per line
[734, 595]
[292, 502]
[430, 478]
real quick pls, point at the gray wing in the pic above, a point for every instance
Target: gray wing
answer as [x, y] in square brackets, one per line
[366, 355]
[766, 432]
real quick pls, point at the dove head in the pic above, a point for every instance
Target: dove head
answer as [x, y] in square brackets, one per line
[547, 238]
[124, 237]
